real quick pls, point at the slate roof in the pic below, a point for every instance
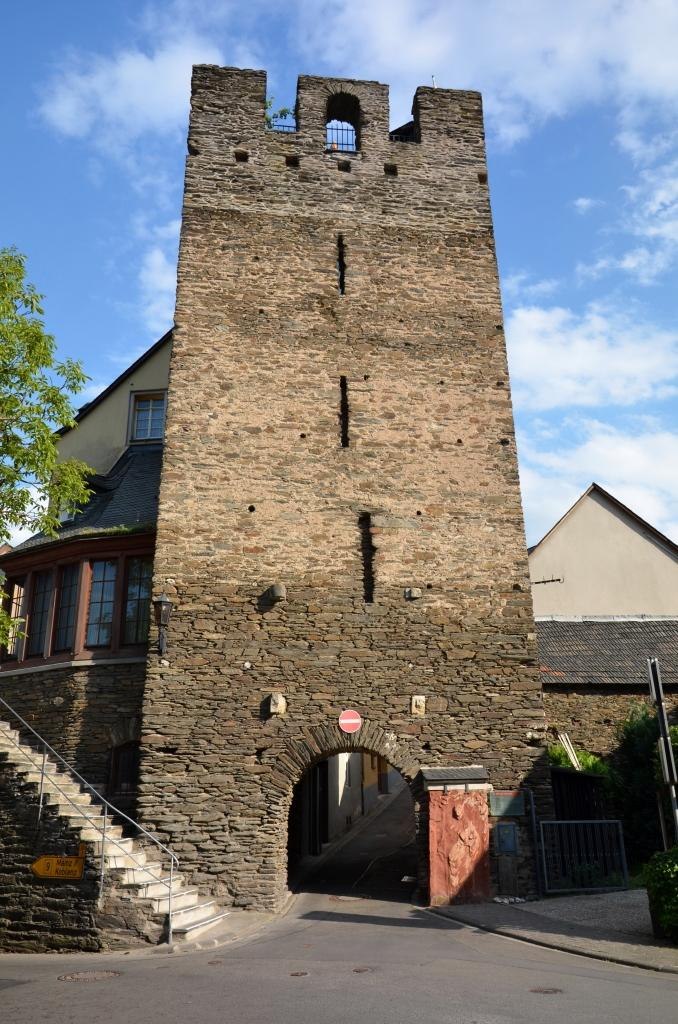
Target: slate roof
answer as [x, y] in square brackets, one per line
[595, 652]
[127, 496]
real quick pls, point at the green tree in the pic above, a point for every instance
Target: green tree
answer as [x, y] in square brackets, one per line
[35, 401]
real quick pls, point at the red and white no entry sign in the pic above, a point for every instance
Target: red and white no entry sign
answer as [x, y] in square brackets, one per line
[350, 721]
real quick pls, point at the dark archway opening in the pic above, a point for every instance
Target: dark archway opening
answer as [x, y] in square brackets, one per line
[352, 829]
[342, 123]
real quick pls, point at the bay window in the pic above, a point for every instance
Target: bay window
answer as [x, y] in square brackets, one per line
[39, 614]
[67, 604]
[82, 610]
[101, 603]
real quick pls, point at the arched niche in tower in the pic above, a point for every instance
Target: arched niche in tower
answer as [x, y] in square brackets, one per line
[342, 123]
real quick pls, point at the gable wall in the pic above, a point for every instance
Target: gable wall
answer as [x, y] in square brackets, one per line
[101, 437]
[608, 564]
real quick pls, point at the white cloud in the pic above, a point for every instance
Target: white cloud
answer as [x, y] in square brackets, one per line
[532, 61]
[601, 357]
[584, 204]
[638, 468]
[117, 99]
[519, 285]
[158, 282]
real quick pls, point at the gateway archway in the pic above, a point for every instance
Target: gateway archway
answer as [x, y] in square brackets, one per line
[353, 828]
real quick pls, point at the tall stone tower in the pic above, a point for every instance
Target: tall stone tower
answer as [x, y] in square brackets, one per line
[340, 522]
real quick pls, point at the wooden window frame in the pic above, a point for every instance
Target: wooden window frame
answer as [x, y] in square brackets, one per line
[54, 559]
[136, 396]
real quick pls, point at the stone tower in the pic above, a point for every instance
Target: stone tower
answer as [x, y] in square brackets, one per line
[340, 522]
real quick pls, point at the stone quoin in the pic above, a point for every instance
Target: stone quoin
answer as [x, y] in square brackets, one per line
[339, 419]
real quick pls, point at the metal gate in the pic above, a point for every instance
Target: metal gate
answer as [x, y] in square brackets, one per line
[583, 855]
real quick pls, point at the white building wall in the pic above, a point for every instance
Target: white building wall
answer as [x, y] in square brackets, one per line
[608, 565]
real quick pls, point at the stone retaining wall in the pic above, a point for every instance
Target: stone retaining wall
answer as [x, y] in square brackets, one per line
[592, 716]
[40, 915]
[81, 712]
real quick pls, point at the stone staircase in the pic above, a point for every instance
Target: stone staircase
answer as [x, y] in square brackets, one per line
[129, 867]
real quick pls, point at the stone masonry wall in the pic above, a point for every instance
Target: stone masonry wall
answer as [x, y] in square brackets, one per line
[40, 915]
[81, 712]
[591, 717]
[257, 486]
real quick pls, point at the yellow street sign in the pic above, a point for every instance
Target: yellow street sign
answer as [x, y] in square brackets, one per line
[49, 866]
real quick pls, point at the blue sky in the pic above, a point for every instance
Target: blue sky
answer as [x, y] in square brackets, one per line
[580, 101]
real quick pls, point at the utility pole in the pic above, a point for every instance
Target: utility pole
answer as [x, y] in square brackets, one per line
[665, 748]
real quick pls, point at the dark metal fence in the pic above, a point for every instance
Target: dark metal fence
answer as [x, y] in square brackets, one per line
[340, 137]
[578, 796]
[583, 855]
[283, 124]
[406, 133]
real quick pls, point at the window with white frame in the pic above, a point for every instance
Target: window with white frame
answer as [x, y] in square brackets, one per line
[148, 417]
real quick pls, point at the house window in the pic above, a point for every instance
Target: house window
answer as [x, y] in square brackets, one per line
[148, 417]
[101, 603]
[16, 607]
[137, 601]
[64, 630]
[42, 593]
[124, 770]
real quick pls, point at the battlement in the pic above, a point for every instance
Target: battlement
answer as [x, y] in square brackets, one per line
[230, 103]
[433, 167]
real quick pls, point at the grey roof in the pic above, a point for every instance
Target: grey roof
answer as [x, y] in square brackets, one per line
[125, 497]
[595, 652]
[457, 773]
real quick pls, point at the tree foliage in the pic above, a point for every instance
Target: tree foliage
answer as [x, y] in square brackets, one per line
[35, 401]
[634, 783]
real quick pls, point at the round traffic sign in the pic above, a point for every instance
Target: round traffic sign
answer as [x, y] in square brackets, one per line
[350, 721]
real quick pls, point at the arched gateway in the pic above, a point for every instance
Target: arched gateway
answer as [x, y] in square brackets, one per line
[339, 522]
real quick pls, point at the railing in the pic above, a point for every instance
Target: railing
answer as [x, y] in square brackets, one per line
[340, 138]
[287, 123]
[108, 807]
[583, 855]
[406, 133]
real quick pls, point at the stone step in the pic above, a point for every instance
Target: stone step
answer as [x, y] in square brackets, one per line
[192, 931]
[158, 886]
[64, 797]
[89, 833]
[196, 914]
[181, 899]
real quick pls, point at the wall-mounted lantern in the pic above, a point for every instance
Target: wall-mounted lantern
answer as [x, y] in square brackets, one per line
[162, 606]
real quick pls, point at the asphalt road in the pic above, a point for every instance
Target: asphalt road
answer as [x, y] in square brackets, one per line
[352, 951]
[337, 959]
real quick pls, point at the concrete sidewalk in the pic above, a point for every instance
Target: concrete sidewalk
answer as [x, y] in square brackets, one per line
[610, 926]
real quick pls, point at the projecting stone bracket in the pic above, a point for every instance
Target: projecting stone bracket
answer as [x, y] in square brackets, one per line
[277, 704]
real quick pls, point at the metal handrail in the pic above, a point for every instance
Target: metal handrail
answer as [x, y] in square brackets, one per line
[107, 805]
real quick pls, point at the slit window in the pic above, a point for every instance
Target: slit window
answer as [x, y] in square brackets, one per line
[368, 551]
[67, 598]
[343, 412]
[101, 603]
[342, 125]
[341, 265]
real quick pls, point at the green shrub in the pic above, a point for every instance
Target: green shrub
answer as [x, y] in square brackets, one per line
[661, 879]
[590, 762]
[633, 783]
